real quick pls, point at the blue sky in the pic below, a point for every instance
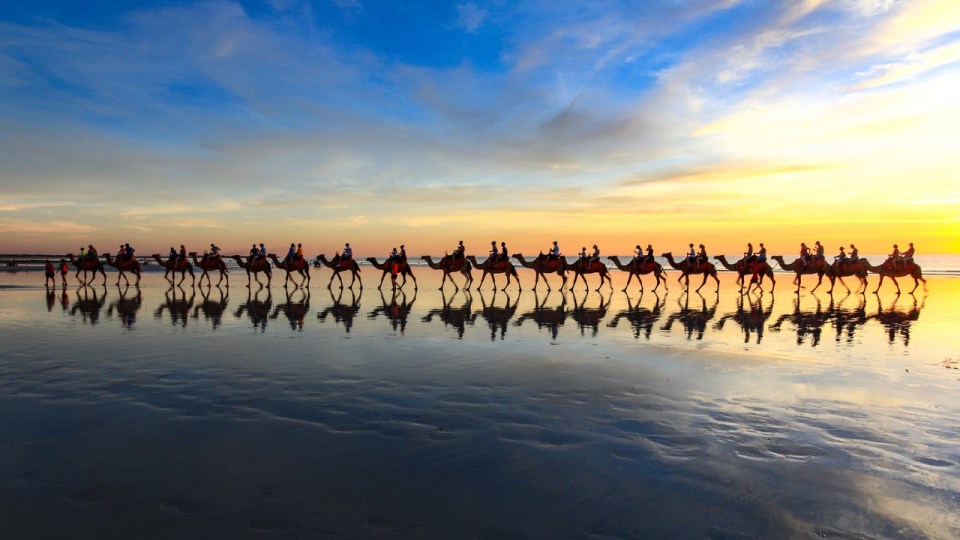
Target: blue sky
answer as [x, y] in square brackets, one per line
[193, 120]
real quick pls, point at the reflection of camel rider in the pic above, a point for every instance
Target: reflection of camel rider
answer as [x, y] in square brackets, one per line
[818, 252]
[840, 259]
[504, 255]
[554, 253]
[762, 255]
[854, 253]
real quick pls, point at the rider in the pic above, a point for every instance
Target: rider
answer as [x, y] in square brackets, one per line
[347, 252]
[854, 253]
[908, 255]
[457, 255]
[583, 255]
[649, 257]
[291, 252]
[128, 252]
[748, 254]
[554, 253]
[263, 252]
[638, 254]
[596, 254]
[299, 253]
[818, 252]
[183, 254]
[393, 256]
[494, 254]
[253, 253]
[894, 257]
[91, 252]
[173, 255]
[762, 254]
[840, 259]
[804, 253]
[402, 256]
[504, 255]
[702, 255]
[692, 255]
[83, 252]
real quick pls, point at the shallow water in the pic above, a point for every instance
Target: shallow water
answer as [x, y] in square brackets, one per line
[188, 412]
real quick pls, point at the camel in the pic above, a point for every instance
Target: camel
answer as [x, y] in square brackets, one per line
[294, 310]
[448, 265]
[589, 317]
[88, 264]
[212, 263]
[641, 319]
[494, 268]
[177, 265]
[742, 268]
[342, 312]
[397, 310]
[258, 311]
[342, 266]
[457, 317]
[497, 317]
[393, 270]
[551, 318]
[752, 320]
[637, 268]
[692, 319]
[258, 265]
[888, 269]
[581, 268]
[300, 266]
[686, 269]
[124, 266]
[798, 268]
[213, 310]
[542, 266]
[126, 308]
[846, 269]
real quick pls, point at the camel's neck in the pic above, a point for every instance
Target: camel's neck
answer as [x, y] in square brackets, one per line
[616, 262]
[673, 263]
[430, 263]
[523, 262]
[723, 261]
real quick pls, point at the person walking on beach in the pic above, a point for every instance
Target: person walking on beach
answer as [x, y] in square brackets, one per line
[49, 273]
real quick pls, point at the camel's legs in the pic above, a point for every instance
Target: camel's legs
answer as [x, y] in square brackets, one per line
[413, 277]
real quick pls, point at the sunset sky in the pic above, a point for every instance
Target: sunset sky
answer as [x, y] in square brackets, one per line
[424, 123]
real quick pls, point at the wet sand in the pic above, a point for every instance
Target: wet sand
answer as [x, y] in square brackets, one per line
[198, 413]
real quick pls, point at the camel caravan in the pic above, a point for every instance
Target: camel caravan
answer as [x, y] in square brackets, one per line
[751, 269]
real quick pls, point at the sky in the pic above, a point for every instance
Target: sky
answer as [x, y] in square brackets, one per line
[424, 123]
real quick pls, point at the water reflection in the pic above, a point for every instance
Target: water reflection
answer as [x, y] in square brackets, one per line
[458, 317]
[295, 308]
[641, 318]
[255, 309]
[343, 312]
[496, 316]
[396, 311]
[177, 305]
[693, 319]
[89, 303]
[212, 308]
[897, 320]
[806, 322]
[751, 319]
[549, 318]
[589, 316]
[126, 306]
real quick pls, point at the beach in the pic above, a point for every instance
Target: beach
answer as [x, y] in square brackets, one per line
[160, 411]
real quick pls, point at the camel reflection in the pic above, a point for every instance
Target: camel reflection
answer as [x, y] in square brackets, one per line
[342, 313]
[641, 319]
[177, 304]
[395, 311]
[551, 318]
[294, 309]
[807, 322]
[457, 317]
[126, 307]
[692, 319]
[257, 310]
[751, 319]
[88, 303]
[589, 317]
[498, 317]
[847, 318]
[898, 320]
[213, 310]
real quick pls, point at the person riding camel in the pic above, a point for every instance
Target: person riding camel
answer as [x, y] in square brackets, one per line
[263, 252]
[894, 257]
[213, 253]
[299, 253]
[504, 254]
[595, 258]
[347, 252]
[702, 255]
[691, 256]
[121, 253]
[554, 253]
[291, 252]
[818, 257]
[456, 256]
[854, 254]
[253, 253]
[748, 255]
[402, 256]
[183, 255]
[907, 256]
[804, 254]
[92, 252]
[583, 256]
[83, 252]
[638, 254]
[172, 257]
[762, 254]
[649, 257]
[129, 251]
[840, 259]
[393, 256]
